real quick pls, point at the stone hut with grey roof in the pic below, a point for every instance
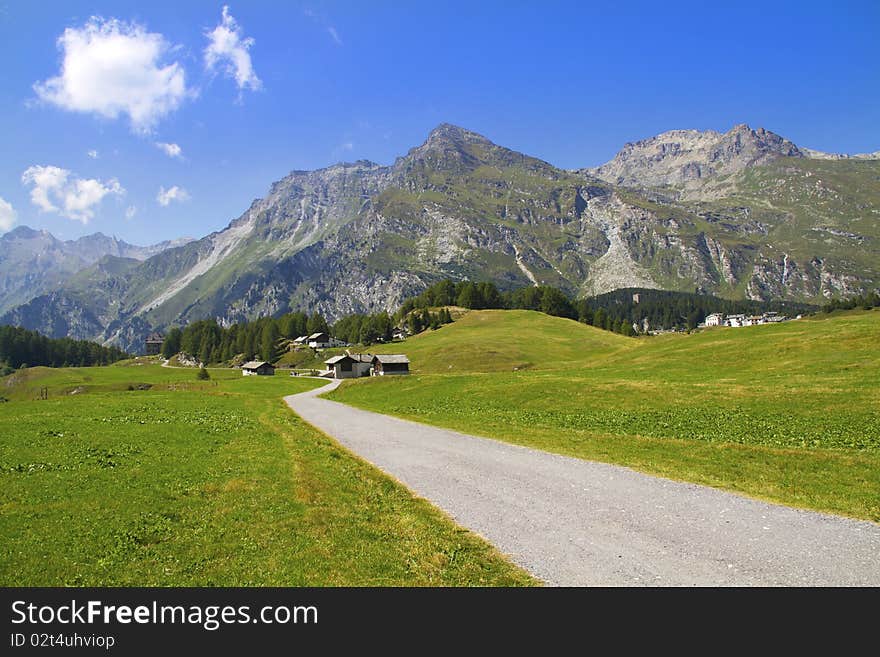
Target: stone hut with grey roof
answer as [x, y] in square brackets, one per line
[258, 368]
[349, 366]
[384, 364]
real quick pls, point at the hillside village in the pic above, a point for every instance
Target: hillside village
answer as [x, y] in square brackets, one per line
[312, 347]
[739, 320]
[345, 366]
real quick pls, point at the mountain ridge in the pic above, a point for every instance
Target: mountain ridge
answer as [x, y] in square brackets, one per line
[683, 157]
[757, 219]
[35, 261]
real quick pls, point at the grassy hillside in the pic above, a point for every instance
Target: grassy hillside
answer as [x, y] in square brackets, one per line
[205, 483]
[504, 340]
[787, 412]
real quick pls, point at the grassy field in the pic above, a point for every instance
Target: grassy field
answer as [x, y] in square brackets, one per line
[787, 412]
[504, 340]
[112, 482]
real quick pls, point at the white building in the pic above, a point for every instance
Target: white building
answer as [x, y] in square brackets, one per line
[737, 321]
[715, 319]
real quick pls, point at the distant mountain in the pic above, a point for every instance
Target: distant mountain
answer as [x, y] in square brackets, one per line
[742, 215]
[687, 157]
[34, 261]
[819, 155]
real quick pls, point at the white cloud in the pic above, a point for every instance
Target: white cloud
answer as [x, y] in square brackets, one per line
[130, 212]
[335, 35]
[175, 193]
[171, 150]
[112, 68]
[7, 215]
[347, 146]
[56, 190]
[227, 49]
[45, 180]
[93, 154]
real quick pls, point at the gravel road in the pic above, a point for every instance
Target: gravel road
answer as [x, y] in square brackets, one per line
[571, 522]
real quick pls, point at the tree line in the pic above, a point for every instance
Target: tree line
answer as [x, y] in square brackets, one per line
[364, 329]
[21, 347]
[209, 342]
[620, 311]
[865, 301]
[662, 309]
[617, 311]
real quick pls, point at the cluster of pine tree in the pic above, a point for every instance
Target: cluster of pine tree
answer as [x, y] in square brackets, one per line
[19, 347]
[672, 310]
[370, 329]
[208, 342]
[466, 294]
[866, 301]
[421, 320]
[364, 329]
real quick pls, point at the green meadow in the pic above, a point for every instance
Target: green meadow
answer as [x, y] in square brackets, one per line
[137, 475]
[784, 412]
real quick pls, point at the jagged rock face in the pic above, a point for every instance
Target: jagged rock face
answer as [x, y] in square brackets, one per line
[684, 157]
[742, 214]
[784, 277]
[625, 228]
[306, 206]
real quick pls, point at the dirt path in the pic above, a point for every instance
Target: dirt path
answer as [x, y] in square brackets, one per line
[575, 522]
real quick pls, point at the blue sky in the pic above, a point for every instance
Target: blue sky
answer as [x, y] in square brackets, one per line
[86, 104]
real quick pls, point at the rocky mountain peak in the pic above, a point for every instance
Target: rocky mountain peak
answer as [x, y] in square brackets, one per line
[447, 134]
[447, 146]
[22, 233]
[684, 157]
[453, 149]
[742, 139]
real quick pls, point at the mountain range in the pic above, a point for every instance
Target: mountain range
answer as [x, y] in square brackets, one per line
[741, 214]
[33, 262]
